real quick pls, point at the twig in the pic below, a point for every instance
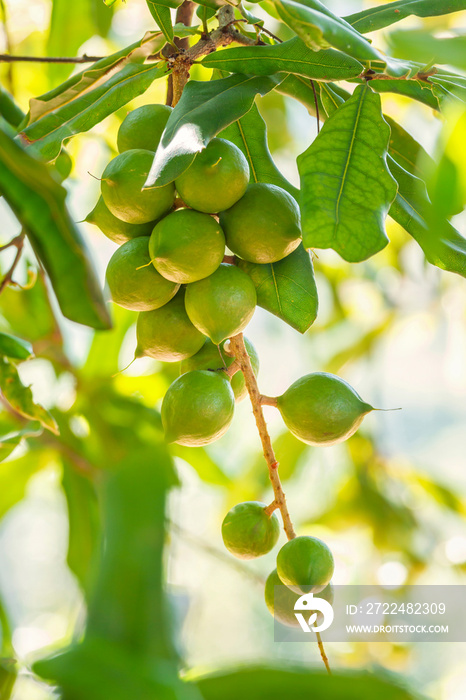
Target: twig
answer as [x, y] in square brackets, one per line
[267, 31]
[13, 242]
[260, 29]
[238, 350]
[371, 74]
[232, 369]
[268, 400]
[18, 242]
[320, 644]
[8, 58]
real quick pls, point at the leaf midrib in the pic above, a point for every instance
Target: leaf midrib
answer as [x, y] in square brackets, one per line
[219, 59]
[345, 170]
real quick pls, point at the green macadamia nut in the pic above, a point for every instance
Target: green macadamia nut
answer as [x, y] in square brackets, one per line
[305, 564]
[248, 531]
[198, 408]
[322, 409]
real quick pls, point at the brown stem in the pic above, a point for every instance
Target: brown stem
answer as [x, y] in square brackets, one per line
[260, 29]
[18, 242]
[238, 350]
[223, 36]
[268, 400]
[267, 31]
[371, 74]
[180, 76]
[229, 259]
[184, 15]
[271, 508]
[320, 644]
[8, 58]
[233, 369]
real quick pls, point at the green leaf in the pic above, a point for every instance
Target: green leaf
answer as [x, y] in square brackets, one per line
[271, 683]
[346, 187]
[286, 288]
[402, 146]
[331, 99]
[63, 42]
[161, 13]
[39, 203]
[205, 13]
[300, 89]
[9, 110]
[215, 4]
[86, 102]
[252, 19]
[250, 135]
[418, 90]
[441, 243]
[291, 56]
[90, 77]
[127, 651]
[9, 442]
[449, 87]
[320, 30]
[20, 397]
[127, 605]
[168, 3]
[418, 45]
[382, 16]
[14, 347]
[205, 108]
[18, 307]
[99, 669]
[181, 30]
[8, 673]
[446, 175]
[103, 16]
[83, 523]
[406, 150]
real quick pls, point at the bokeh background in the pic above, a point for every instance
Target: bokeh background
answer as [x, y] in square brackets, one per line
[390, 502]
